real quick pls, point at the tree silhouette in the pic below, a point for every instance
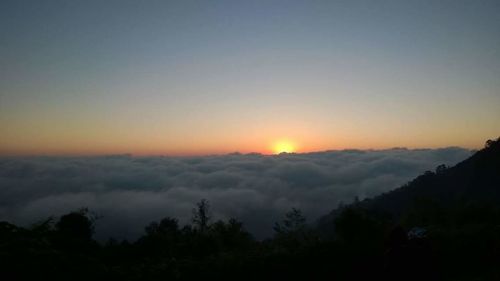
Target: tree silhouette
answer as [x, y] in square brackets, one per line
[76, 225]
[201, 216]
[294, 222]
[441, 169]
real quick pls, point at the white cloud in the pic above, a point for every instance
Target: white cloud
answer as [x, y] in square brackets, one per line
[129, 192]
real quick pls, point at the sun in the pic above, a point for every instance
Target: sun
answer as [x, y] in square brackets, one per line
[283, 146]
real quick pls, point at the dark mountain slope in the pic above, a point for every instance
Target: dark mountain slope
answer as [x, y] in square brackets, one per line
[475, 180]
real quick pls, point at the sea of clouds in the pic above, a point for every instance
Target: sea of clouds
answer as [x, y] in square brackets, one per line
[129, 192]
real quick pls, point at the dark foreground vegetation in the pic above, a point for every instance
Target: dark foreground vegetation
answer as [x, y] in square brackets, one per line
[444, 225]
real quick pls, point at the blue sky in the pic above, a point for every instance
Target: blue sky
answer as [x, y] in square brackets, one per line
[200, 77]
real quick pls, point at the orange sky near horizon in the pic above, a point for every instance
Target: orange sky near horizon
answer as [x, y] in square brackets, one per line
[245, 129]
[193, 147]
[214, 77]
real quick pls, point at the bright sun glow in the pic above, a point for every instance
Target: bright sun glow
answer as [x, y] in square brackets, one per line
[283, 146]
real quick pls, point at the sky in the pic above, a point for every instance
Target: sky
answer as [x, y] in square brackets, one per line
[210, 77]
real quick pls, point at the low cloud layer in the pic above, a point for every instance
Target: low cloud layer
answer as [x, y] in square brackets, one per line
[129, 192]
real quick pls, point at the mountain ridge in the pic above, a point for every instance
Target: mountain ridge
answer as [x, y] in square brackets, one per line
[474, 180]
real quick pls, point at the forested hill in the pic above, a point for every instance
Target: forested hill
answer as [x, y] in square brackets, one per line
[474, 181]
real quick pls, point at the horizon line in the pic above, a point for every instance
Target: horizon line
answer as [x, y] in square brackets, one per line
[188, 155]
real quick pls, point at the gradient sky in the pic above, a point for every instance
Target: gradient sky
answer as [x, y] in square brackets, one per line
[203, 77]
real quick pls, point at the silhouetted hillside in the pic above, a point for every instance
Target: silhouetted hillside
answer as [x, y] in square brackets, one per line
[443, 225]
[475, 180]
